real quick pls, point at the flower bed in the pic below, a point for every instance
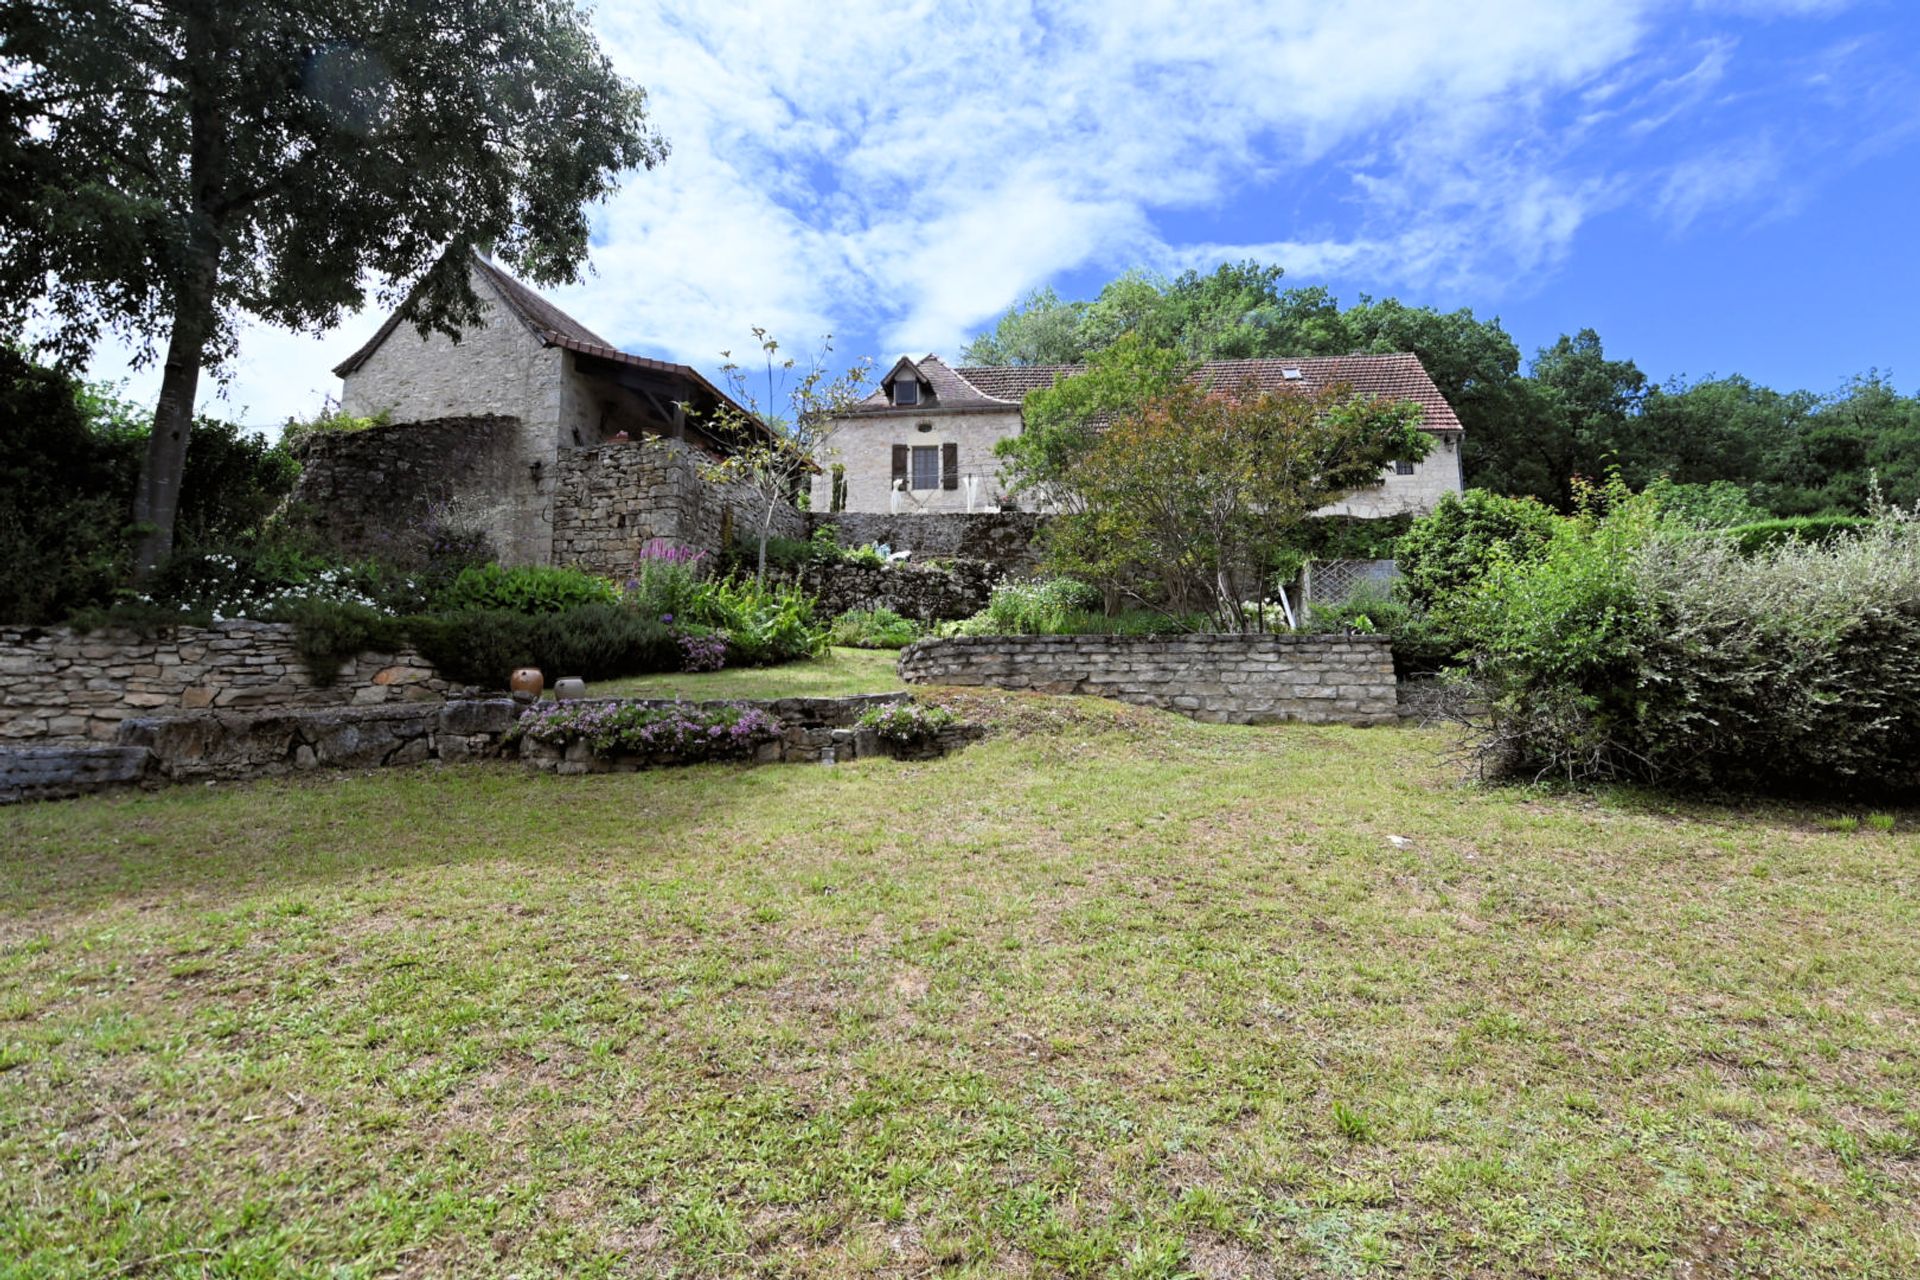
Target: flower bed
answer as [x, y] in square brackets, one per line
[679, 732]
[907, 724]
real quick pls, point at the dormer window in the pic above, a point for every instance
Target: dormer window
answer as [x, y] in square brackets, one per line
[906, 391]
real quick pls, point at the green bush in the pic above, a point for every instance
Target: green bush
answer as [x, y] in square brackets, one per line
[1622, 654]
[329, 633]
[907, 724]
[667, 590]
[1760, 535]
[874, 629]
[525, 589]
[765, 623]
[595, 642]
[1447, 551]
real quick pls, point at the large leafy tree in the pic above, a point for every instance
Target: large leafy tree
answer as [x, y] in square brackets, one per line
[168, 167]
[1187, 500]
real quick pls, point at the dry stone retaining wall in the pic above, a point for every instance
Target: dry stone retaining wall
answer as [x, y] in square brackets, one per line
[1235, 679]
[369, 492]
[611, 500]
[59, 683]
[1003, 539]
[957, 590]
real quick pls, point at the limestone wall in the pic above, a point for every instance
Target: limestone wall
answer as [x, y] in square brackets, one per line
[1433, 476]
[61, 684]
[864, 446]
[946, 594]
[611, 500]
[369, 492]
[1003, 539]
[1236, 679]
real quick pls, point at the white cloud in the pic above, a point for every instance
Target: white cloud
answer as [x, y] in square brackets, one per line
[904, 169]
[1728, 176]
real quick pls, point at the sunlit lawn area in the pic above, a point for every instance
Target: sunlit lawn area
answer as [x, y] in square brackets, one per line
[839, 673]
[1112, 994]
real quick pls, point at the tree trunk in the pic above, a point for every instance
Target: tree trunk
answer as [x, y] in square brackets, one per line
[156, 500]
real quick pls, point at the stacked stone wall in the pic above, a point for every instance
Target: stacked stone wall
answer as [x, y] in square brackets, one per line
[1236, 679]
[63, 684]
[370, 492]
[958, 589]
[611, 500]
[1003, 539]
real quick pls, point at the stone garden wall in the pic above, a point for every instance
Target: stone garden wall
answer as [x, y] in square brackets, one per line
[1003, 539]
[58, 683]
[610, 500]
[1236, 679]
[232, 746]
[958, 589]
[369, 492]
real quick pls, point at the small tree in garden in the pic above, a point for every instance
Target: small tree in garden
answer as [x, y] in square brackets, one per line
[786, 444]
[1191, 497]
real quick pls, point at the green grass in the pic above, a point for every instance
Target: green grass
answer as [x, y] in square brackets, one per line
[840, 673]
[1109, 994]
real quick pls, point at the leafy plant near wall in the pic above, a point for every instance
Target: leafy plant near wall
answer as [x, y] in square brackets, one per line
[681, 732]
[879, 628]
[328, 634]
[907, 724]
[525, 589]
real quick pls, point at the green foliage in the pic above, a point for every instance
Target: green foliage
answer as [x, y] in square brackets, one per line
[525, 589]
[765, 623]
[595, 642]
[69, 457]
[907, 724]
[172, 170]
[879, 628]
[666, 590]
[1622, 654]
[1574, 411]
[1719, 505]
[1449, 550]
[63, 498]
[1190, 501]
[1818, 530]
[1042, 607]
[331, 420]
[1061, 424]
[329, 633]
[867, 555]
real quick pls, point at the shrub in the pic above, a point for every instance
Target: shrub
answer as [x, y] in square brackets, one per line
[525, 589]
[477, 646]
[681, 731]
[1760, 535]
[703, 650]
[1446, 552]
[870, 554]
[1625, 655]
[664, 589]
[874, 629]
[329, 633]
[595, 642]
[765, 623]
[601, 641]
[907, 724]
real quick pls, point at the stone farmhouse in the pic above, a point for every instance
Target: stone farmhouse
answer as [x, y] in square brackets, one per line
[536, 384]
[923, 442]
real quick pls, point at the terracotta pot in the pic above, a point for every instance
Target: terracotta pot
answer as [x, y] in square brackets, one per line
[569, 687]
[526, 683]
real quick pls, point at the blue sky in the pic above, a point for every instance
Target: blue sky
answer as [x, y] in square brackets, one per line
[1715, 187]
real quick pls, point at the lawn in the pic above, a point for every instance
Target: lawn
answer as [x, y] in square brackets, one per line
[839, 673]
[1109, 993]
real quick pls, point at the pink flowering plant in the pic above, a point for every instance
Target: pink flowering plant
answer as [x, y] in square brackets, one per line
[703, 650]
[907, 723]
[681, 731]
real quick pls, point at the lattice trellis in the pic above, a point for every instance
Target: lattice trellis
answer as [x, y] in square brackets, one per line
[1333, 582]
